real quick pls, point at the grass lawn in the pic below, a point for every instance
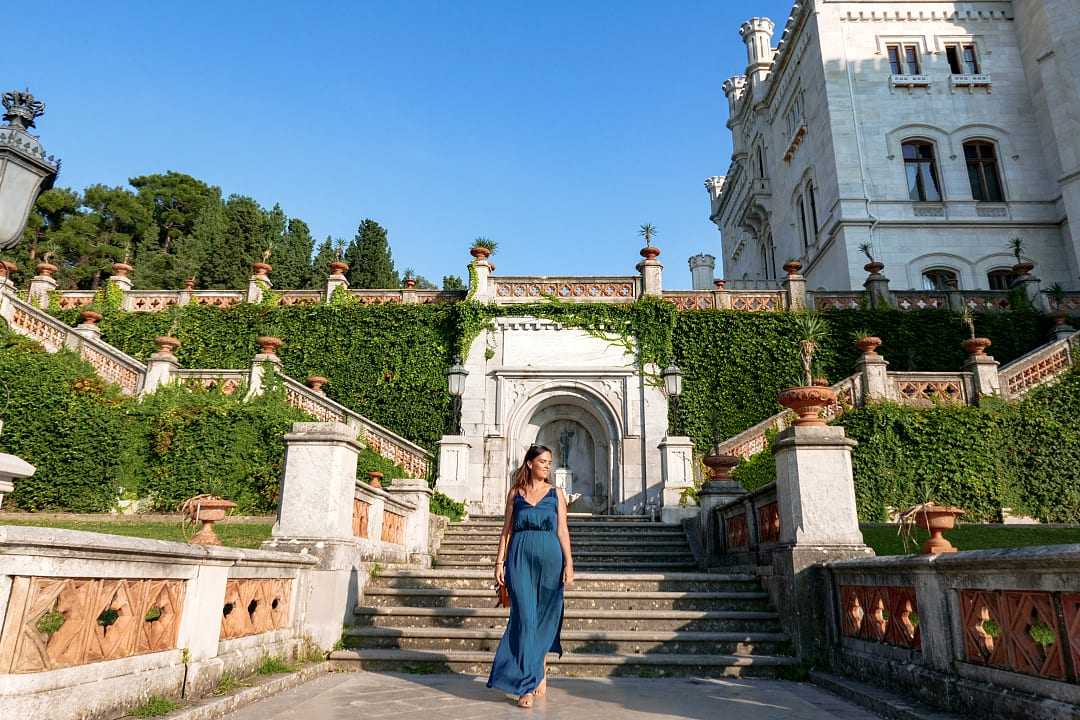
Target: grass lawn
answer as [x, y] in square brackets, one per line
[243, 535]
[886, 541]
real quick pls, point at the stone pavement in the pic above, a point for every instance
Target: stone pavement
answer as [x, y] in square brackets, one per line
[364, 695]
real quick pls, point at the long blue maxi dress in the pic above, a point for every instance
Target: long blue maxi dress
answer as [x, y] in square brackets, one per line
[534, 565]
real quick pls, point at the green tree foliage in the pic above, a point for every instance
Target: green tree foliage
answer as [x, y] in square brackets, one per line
[292, 256]
[368, 256]
[452, 282]
[320, 264]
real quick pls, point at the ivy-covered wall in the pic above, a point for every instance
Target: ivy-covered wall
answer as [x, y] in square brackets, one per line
[1024, 456]
[388, 362]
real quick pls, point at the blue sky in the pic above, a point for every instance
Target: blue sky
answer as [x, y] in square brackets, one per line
[555, 128]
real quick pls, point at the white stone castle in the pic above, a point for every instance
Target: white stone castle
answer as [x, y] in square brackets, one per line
[935, 132]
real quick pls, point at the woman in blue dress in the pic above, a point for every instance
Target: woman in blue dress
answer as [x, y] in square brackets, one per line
[535, 564]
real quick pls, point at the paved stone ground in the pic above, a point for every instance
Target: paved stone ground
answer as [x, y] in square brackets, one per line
[364, 695]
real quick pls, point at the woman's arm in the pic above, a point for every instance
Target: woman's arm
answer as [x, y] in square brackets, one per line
[564, 541]
[504, 539]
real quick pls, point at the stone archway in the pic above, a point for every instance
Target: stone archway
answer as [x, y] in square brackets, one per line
[584, 436]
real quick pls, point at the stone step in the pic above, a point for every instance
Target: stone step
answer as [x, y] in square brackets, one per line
[572, 599]
[632, 554]
[592, 641]
[738, 578]
[739, 621]
[570, 664]
[620, 564]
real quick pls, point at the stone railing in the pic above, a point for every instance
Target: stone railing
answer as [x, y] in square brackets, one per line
[1038, 367]
[851, 300]
[94, 623]
[386, 526]
[227, 381]
[724, 299]
[109, 363]
[620, 289]
[748, 527]
[929, 388]
[962, 630]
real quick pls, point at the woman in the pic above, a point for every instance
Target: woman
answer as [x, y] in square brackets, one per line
[535, 564]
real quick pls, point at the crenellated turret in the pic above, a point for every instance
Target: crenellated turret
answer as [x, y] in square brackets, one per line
[734, 87]
[757, 34]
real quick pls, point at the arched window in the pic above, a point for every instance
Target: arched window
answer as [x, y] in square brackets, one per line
[802, 223]
[760, 161]
[764, 261]
[982, 170]
[813, 208]
[1000, 278]
[940, 279]
[921, 170]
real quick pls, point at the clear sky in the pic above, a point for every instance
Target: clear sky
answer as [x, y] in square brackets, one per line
[555, 128]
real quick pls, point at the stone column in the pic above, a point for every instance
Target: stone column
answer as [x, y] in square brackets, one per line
[719, 489]
[983, 369]
[815, 492]
[318, 484]
[677, 472]
[652, 272]
[161, 370]
[120, 276]
[336, 279]
[721, 295]
[12, 468]
[408, 293]
[42, 284]
[259, 282]
[485, 289]
[874, 370]
[415, 492]
[185, 295]
[453, 478]
[794, 286]
[877, 286]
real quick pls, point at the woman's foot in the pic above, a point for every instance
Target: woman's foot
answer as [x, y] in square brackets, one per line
[525, 700]
[541, 688]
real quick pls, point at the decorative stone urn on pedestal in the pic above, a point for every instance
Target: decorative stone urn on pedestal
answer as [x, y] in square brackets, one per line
[808, 403]
[976, 345]
[935, 519]
[269, 344]
[868, 345]
[376, 478]
[208, 510]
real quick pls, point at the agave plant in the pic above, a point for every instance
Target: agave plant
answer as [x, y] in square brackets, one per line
[810, 329]
[865, 248]
[485, 243]
[647, 231]
[968, 319]
[1017, 247]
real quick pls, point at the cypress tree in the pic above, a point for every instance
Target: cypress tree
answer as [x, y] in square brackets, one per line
[368, 256]
[320, 264]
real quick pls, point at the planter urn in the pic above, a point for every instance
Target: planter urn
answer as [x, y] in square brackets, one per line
[976, 346]
[935, 519]
[375, 479]
[189, 284]
[122, 269]
[480, 253]
[792, 267]
[166, 344]
[46, 269]
[720, 466]
[874, 267]
[315, 382]
[807, 403]
[868, 345]
[89, 317]
[650, 252]
[268, 344]
[338, 268]
[261, 269]
[719, 284]
[410, 282]
[206, 510]
[1023, 268]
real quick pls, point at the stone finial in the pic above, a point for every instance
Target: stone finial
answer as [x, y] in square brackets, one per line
[21, 109]
[756, 24]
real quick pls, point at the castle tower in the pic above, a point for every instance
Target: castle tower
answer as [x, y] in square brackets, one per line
[757, 34]
[702, 269]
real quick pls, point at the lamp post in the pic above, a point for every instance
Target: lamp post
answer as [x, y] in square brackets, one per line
[673, 386]
[25, 170]
[455, 378]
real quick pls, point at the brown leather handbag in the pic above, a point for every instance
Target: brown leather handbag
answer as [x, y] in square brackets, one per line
[504, 596]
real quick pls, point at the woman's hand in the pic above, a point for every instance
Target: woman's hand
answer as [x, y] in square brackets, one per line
[500, 572]
[568, 576]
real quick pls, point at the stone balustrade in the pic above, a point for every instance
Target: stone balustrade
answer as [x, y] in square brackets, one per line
[749, 527]
[1038, 367]
[995, 632]
[93, 624]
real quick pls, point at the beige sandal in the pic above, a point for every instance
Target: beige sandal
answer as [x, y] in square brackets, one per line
[526, 700]
[541, 689]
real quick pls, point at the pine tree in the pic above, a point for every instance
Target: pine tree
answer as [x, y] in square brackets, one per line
[320, 264]
[368, 256]
[292, 256]
[452, 282]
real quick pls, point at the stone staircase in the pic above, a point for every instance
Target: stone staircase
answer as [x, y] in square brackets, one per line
[638, 607]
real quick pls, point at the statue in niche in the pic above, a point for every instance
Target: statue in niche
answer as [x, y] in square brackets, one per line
[565, 438]
[564, 477]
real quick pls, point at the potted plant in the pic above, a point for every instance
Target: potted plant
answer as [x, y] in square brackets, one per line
[206, 509]
[166, 345]
[1057, 297]
[262, 268]
[89, 317]
[410, 278]
[268, 344]
[1022, 267]
[650, 251]
[867, 342]
[808, 400]
[935, 519]
[189, 284]
[375, 478]
[45, 267]
[316, 382]
[973, 345]
[483, 248]
[873, 266]
[792, 266]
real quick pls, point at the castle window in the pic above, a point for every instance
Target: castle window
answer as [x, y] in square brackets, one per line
[903, 59]
[921, 170]
[813, 208]
[983, 171]
[963, 60]
[802, 223]
[1000, 278]
[940, 279]
[760, 162]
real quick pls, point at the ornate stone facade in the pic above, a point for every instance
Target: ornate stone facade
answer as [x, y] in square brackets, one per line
[935, 132]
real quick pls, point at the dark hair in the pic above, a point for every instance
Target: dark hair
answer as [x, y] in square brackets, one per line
[522, 475]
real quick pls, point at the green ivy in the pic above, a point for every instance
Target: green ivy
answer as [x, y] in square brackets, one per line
[445, 505]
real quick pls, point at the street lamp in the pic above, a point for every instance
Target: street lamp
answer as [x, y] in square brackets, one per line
[25, 170]
[455, 379]
[673, 386]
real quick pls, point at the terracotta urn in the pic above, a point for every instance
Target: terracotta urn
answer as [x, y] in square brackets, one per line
[89, 317]
[792, 267]
[315, 382]
[650, 253]
[338, 268]
[376, 478]
[268, 344]
[480, 253]
[873, 267]
[719, 284]
[1060, 315]
[206, 510]
[807, 402]
[261, 269]
[46, 269]
[1023, 267]
[720, 466]
[935, 519]
[166, 344]
[868, 345]
[410, 282]
[189, 284]
[976, 346]
[121, 269]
